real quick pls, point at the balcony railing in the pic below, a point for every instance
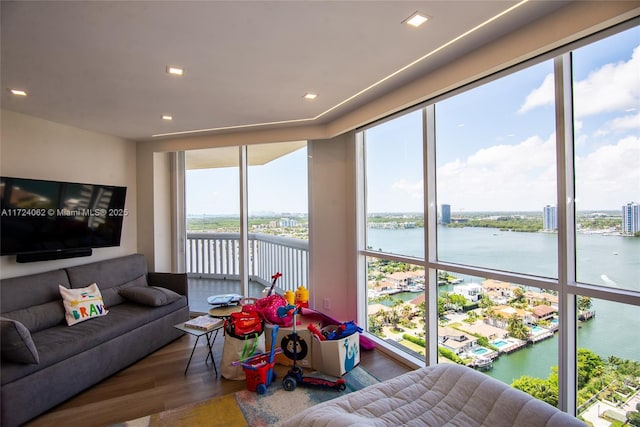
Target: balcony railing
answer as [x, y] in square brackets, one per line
[217, 256]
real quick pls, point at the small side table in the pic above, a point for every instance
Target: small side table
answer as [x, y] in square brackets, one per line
[224, 311]
[198, 333]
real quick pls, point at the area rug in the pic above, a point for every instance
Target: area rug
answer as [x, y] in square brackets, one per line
[245, 408]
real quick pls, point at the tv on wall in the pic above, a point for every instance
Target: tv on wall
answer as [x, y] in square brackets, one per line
[51, 219]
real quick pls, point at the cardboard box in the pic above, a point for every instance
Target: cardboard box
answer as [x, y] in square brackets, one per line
[336, 357]
[304, 357]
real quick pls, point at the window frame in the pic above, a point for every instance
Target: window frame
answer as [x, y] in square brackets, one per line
[566, 284]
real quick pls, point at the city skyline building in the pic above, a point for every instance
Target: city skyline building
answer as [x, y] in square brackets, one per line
[631, 218]
[550, 218]
[445, 214]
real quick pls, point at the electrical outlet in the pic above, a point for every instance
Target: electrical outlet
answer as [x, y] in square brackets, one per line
[326, 303]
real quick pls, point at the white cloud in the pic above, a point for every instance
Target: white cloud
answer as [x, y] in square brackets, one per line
[413, 190]
[625, 123]
[613, 87]
[503, 177]
[541, 96]
[609, 176]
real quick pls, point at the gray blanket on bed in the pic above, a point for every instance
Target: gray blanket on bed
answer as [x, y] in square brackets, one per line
[442, 395]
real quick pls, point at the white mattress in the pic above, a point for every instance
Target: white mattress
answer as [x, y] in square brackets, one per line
[442, 395]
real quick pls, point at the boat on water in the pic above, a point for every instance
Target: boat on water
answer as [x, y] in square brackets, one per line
[482, 363]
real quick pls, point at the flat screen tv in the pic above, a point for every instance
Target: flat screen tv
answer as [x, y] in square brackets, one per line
[53, 217]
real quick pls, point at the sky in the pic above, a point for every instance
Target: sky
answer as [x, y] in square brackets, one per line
[278, 186]
[495, 148]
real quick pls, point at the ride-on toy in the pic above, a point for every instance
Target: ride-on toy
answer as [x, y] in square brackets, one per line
[295, 377]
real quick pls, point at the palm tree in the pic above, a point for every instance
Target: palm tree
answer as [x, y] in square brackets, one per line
[517, 328]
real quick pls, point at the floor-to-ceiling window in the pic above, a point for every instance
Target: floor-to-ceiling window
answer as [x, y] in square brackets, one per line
[394, 231]
[606, 121]
[246, 213]
[524, 261]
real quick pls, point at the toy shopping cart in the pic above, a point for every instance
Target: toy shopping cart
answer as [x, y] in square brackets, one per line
[258, 369]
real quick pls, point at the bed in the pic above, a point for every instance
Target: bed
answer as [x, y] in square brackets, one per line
[441, 395]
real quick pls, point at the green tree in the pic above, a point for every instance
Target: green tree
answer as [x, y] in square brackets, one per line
[486, 304]
[539, 388]
[394, 314]
[518, 294]
[589, 366]
[517, 328]
[584, 303]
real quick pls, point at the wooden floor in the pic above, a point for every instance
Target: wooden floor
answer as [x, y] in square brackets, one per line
[157, 383]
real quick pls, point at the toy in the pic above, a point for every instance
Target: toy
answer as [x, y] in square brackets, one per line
[294, 376]
[324, 319]
[224, 300]
[336, 332]
[258, 369]
[302, 297]
[315, 331]
[267, 306]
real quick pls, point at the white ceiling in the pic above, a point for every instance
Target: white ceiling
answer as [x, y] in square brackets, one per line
[100, 65]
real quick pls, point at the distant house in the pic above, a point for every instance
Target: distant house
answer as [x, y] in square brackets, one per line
[543, 312]
[501, 290]
[485, 330]
[538, 298]
[455, 340]
[471, 291]
[502, 314]
[403, 279]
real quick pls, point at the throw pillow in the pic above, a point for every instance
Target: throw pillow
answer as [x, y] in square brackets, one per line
[17, 344]
[154, 296]
[112, 297]
[82, 303]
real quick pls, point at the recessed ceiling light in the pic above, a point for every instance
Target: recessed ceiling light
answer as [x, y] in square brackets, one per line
[417, 19]
[310, 96]
[167, 117]
[175, 71]
[18, 92]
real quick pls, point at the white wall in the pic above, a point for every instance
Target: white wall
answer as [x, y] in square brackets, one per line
[332, 226]
[34, 148]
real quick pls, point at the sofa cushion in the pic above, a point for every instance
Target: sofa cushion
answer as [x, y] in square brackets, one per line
[39, 317]
[34, 289]
[82, 303]
[17, 345]
[154, 296]
[108, 273]
[112, 297]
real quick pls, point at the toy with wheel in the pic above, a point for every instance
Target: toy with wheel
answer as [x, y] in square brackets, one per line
[295, 376]
[258, 369]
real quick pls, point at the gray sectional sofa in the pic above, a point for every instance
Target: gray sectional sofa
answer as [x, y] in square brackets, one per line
[45, 361]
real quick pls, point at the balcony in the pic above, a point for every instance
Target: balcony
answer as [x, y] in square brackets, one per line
[213, 264]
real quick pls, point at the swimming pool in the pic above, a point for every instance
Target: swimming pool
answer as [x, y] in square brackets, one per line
[537, 329]
[480, 350]
[500, 343]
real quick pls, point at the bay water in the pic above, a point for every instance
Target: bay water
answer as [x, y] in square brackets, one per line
[604, 260]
